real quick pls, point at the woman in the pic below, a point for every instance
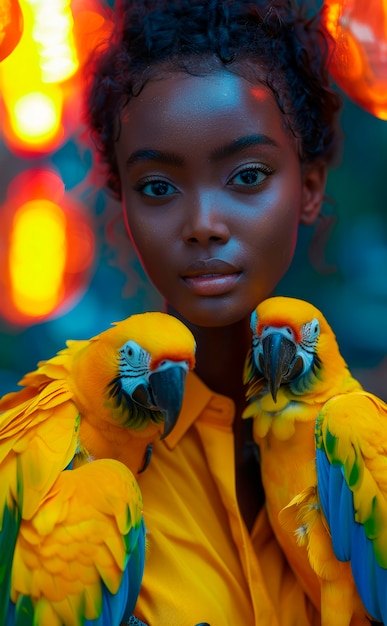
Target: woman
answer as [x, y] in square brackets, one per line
[217, 123]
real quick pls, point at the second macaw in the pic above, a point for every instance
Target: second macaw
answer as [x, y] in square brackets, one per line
[72, 534]
[323, 447]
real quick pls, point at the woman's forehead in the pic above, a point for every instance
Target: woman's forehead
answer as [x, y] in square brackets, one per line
[213, 110]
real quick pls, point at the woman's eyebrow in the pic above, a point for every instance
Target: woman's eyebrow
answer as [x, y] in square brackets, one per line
[159, 156]
[240, 143]
[170, 158]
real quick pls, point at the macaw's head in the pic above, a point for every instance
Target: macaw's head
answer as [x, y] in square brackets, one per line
[292, 344]
[140, 366]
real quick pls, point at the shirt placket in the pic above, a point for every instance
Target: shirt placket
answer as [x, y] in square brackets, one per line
[214, 426]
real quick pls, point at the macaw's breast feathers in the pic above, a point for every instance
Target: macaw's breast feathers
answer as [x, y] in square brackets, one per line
[302, 517]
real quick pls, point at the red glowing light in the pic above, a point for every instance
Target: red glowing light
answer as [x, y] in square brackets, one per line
[46, 248]
[359, 50]
[11, 26]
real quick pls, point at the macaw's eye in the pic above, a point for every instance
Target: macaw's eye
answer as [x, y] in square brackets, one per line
[315, 328]
[311, 330]
[131, 351]
[132, 355]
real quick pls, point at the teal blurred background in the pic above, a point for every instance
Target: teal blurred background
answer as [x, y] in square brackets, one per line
[349, 282]
[347, 278]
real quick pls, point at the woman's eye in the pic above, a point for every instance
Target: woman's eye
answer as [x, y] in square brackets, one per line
[250, 176]
[156, 188]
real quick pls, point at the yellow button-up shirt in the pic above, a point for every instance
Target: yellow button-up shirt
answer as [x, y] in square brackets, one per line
[202, 564]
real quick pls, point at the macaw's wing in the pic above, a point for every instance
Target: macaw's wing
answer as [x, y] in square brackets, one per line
[351, 456]
[79, 561]
[38, 439]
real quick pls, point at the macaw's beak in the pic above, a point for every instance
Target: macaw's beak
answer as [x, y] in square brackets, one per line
[278, 362]
[167, 385]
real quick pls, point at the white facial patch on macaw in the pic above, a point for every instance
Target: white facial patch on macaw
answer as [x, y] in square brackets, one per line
[133, 367]
[310, 333]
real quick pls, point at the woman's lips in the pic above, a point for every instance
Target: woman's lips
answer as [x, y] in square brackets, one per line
[211, 284]
[211, 277]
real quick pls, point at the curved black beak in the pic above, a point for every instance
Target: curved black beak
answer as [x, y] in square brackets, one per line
[167, 385]
[278, 363]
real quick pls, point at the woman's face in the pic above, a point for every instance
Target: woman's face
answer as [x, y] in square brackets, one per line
[213, 192]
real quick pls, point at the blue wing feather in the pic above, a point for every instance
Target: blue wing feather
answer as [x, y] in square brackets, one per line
[336, 501]
[134, 572]
[381, 586]
[364, 569]
[120, 607]
[112, 606]
[346, 427]
[322, 467]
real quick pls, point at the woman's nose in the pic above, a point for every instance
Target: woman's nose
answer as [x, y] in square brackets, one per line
[205, 221]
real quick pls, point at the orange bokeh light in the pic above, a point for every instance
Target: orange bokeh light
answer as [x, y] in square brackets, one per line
[46, 248]
[359, 50]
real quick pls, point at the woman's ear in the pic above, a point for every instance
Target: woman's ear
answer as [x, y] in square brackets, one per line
[314, 178]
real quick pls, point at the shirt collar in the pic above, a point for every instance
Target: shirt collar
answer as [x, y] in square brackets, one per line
[197, 397]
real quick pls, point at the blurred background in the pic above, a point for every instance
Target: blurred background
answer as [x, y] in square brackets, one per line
[67, 269]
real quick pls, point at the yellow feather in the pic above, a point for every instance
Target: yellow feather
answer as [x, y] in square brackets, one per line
[43, 444]
[45, 616]
[80, 542]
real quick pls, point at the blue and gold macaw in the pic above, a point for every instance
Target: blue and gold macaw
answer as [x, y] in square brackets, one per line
[72, 534]
[323, 447]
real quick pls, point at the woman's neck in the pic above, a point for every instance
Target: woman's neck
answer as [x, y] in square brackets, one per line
[220, 356]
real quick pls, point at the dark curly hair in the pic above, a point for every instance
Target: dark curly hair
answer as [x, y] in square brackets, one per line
[280, 39]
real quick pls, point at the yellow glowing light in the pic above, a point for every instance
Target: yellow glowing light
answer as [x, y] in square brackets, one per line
[37, 257]
[36, 116]
[332, 16]
[32, 75]
[53, 33]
